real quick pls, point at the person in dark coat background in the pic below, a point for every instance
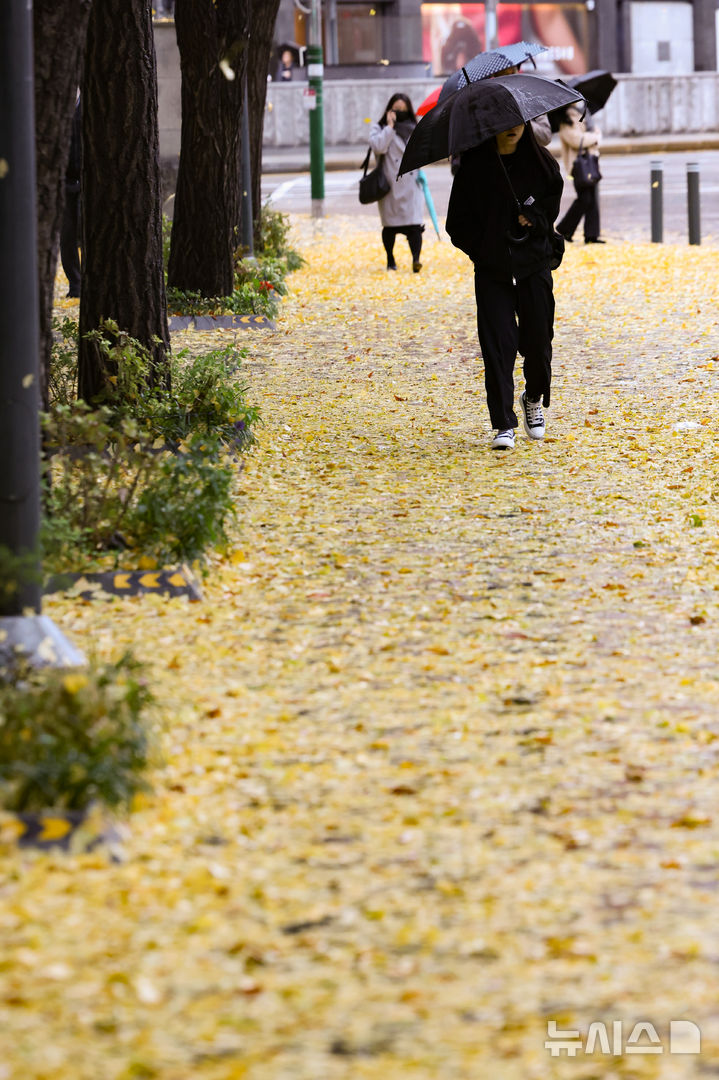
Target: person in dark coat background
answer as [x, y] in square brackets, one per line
[70, 229]
[504, 201]
[576, 134]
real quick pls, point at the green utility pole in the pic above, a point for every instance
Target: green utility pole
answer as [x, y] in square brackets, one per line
[315, 72]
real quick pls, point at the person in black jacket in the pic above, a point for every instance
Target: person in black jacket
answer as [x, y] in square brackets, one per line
[70, 229]
[504, 201]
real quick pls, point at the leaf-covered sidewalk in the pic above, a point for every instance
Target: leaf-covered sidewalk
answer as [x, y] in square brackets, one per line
[442, 746]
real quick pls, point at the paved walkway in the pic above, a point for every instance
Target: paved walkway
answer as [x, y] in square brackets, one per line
[442, 745]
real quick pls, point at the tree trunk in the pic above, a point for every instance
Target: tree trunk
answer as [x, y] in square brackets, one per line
[59, 30]
[262, 26]
[212, 39]
[122, 215]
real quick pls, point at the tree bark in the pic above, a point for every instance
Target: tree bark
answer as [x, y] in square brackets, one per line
[212, 39]
[60, 30]
[262, 26]
[122, 214]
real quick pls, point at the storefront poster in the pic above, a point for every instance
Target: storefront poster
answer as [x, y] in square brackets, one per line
[452, 33]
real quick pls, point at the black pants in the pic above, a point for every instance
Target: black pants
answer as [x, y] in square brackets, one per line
[69, 241]
[511, 319]
[586, 205]
[414, 239]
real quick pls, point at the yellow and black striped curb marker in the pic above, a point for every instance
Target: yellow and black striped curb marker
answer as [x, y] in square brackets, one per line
[177, 582]
[65, 829]
[220, 322]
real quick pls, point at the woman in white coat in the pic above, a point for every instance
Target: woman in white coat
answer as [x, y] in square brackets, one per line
[402, 208]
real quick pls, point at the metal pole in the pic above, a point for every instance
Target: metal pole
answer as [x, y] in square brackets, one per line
[490, 24]
[247, 224]
[705, 37]
[19, 306]
[332, 38]
[604, 27]
[315, 72]
[657, 180]
[695, 232]
[33, 635]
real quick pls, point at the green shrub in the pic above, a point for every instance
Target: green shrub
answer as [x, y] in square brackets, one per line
[126, 368]
[259, 283]
[206, 396]
[275, 228]
[166, 242]
[248, 298]
[95, 464]
[62, 375]
[148, 470]
[185, 510]
[108, 485]
[68, 739]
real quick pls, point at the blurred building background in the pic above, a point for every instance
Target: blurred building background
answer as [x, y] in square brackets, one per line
[664, 56]
[415, 38]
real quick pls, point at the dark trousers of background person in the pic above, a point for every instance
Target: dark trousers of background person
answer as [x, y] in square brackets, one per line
[585, 205]
[69, 241]
[511, 319]
[414, 239]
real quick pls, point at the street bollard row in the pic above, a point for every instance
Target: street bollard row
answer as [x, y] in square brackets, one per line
[656, 180]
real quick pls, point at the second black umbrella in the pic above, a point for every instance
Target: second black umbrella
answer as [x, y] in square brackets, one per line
[596, 88]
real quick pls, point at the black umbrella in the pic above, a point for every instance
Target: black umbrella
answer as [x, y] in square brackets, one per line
[595, 87]
[293, 48]
[479, 111]
[486, 64]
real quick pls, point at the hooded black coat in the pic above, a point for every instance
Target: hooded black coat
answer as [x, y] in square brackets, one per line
[482, 217]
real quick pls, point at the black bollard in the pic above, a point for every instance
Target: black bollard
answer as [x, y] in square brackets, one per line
[657, 183]
[695, 232]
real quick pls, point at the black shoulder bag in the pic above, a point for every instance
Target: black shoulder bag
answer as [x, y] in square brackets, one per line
[554, 241]
[373, 186]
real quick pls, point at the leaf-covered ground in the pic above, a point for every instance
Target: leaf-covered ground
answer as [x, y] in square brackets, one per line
[442, 739]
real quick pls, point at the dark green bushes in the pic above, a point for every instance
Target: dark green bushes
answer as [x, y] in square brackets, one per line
[72, 738]
[259, 283]
[147, 471]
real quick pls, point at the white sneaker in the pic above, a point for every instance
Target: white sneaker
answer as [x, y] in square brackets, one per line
[503, 440]
[533, 416]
